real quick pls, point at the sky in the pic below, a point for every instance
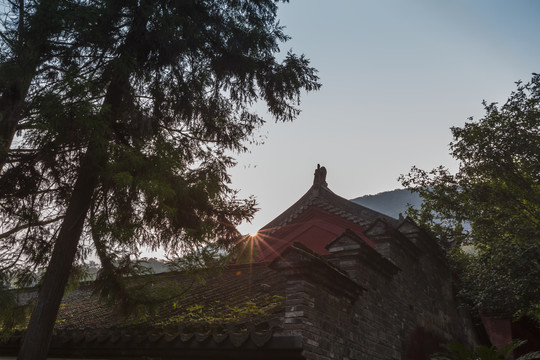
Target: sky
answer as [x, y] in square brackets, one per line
[396, 76]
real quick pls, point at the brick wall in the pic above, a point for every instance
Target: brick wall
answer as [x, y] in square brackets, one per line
[358, 304]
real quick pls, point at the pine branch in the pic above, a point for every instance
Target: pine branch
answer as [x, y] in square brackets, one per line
[26, 226]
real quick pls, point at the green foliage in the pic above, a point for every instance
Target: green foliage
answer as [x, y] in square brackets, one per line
[159, 93]
[489, 211]
[457, 351]
[128, 288]
[128, 114]
[78, 274]
[18, 301]
[222, 313]
[13, 314]
[200, 262]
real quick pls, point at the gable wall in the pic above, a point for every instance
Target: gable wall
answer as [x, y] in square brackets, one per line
[399, 317]
[314, 227]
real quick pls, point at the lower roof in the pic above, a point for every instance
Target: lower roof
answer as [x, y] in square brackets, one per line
[241, 308]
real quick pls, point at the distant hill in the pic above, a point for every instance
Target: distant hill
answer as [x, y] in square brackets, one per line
[390, 203]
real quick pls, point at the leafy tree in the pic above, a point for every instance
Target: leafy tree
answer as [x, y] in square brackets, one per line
[127, 141]
[489, 211]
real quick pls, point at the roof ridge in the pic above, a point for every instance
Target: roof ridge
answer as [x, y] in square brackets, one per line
[321, 196]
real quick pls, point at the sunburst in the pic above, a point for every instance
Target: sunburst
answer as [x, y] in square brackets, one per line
[259, 243]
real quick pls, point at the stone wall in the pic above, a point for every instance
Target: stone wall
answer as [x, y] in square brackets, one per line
[358, 304]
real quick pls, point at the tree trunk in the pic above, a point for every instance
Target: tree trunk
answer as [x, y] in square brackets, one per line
[38, 336]
[36, 341]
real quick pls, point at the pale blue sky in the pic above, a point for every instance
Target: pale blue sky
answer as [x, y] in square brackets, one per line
[396, 75]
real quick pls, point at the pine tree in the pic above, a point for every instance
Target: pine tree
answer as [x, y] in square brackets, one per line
[141, 119]
[46, 45]
[26, 47]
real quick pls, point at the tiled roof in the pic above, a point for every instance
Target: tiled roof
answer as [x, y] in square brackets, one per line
[314, 220]
[241, 307]
[322, 197]
[236, 289]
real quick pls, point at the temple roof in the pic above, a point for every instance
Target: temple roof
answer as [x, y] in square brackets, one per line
[321, 196]
[317, 218]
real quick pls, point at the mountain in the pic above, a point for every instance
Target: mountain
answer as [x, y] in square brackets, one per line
[390, 203]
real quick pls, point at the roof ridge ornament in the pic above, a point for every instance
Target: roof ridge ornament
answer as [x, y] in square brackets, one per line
[319, 178]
